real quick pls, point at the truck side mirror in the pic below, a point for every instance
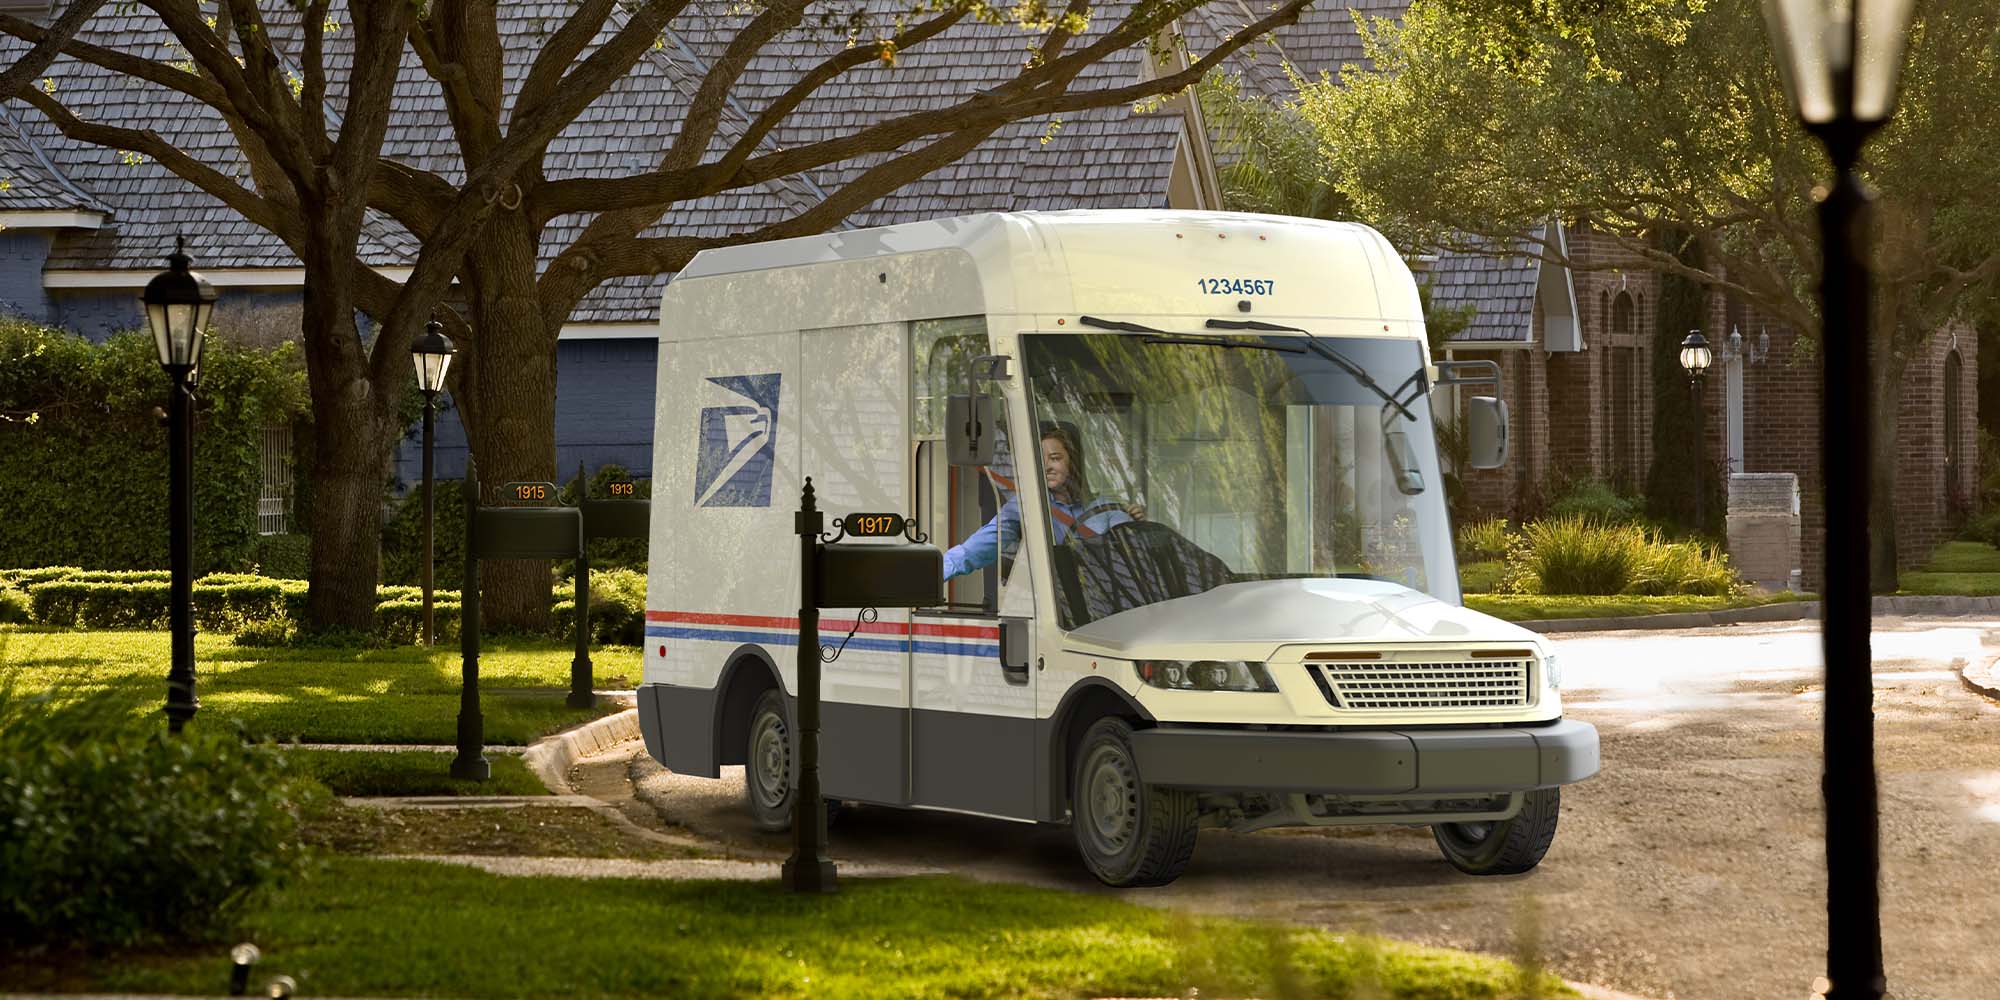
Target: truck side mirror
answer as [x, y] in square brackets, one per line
[1486, 432]
[969, 429]
[1403, 463]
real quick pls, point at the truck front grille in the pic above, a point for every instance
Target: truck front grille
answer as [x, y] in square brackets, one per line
[1481, 684]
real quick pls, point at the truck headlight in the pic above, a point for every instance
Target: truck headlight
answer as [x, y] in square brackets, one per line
[1205, 675]
[1554, 670]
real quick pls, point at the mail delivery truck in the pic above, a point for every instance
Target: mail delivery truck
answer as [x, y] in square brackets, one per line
[1200, 574]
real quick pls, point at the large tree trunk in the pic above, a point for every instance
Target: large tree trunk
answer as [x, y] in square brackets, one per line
[514, 413]
[351, 444]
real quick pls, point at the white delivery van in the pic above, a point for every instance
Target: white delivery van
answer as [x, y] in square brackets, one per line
[1205, 577]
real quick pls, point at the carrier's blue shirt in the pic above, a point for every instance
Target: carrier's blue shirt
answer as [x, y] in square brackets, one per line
[1003, 533]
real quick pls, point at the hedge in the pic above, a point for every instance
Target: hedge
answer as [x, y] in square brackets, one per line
[85, 460]
[262, 611]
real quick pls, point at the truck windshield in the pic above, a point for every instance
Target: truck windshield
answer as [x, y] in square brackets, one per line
[1174, 463]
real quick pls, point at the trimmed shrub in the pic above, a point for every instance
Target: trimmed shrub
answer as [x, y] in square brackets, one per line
[13, 605]
[1595, 500]
[402, 621]
[1484, 541]
[286, 557]
[120, 835]
[24, 577]
[617, 608]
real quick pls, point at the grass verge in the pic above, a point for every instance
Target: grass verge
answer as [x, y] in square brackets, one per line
[410, 772]
[1958, 569]
[380, 928]
[1537, 607]
[526, 831]
[321, 694]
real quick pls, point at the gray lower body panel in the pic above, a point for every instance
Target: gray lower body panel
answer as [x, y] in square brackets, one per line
[862, 752]
[679, 726]
[1369, 762]
[978, 763]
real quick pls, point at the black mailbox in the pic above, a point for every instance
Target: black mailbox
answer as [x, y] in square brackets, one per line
[526, 532]
[865, 575]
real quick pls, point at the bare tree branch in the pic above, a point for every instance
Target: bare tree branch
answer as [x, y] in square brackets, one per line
[559, 52]
[1032, 93]
[246, 203]
[705, 110]
[43, 53]
[123, 63]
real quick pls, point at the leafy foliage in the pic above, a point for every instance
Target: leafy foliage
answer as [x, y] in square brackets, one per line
[118, 834]
[85, 460]
[1595, 500]
[1579, 555]
[1484, 540]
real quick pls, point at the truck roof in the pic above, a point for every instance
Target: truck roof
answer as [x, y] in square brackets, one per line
[1120, 264]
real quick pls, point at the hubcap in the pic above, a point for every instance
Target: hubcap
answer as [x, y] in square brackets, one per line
[1110, 798]
[770, 760]
[1473, 834]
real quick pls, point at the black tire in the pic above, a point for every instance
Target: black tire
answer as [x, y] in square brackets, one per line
[1129, 833]
[1503, 847]
[767, 766]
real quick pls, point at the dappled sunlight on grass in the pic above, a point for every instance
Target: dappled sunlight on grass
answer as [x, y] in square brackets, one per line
[319, 694]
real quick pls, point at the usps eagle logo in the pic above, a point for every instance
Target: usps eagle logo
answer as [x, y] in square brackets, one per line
[733, 460]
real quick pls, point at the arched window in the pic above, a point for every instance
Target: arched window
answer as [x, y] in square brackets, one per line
[1954, 429]
[1621, 314]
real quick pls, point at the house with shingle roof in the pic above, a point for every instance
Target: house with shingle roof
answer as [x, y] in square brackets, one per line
[86, 227]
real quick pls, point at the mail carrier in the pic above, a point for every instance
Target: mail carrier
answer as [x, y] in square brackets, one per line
[1198, 567]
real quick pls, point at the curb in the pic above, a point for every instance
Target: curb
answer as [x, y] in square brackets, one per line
[1989, 683]
[1786, 611]
[550, 758]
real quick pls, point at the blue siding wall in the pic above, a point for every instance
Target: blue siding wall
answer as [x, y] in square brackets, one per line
[22, 254]
[97, 314]
[604, 414]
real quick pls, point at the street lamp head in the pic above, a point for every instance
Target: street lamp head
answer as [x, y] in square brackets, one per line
[432, 355]
[178, 304]
[1840, 59]
[1695, 354]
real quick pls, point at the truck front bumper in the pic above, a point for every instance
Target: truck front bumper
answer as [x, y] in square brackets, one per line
[1368, 762]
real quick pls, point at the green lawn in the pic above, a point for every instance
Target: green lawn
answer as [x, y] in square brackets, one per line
[410, 773]
[1479, 577]
[1959, 568]
[322, 695]
[381, 928]
[1538, 607]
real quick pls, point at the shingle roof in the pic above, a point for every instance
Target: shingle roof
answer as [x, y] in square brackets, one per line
[1111, 158]
[31, 182]
[1500, 288]
[1324, 39]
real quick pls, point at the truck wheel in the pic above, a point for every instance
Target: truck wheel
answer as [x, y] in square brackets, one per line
[767, 766]
[1128, 832]
[1505, 846]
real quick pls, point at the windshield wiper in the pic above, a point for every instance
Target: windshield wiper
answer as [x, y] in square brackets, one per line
[1254, 345]
[1359, 373]
[1116, 324]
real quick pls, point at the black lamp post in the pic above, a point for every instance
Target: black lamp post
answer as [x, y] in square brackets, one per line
[178, 303]
[432, 355]
[1840, 60]
[1695, 358]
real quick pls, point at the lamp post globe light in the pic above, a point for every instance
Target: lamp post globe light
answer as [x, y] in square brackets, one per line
[1840, 61]
[431, 353]
[1695, 359]
[178, 304]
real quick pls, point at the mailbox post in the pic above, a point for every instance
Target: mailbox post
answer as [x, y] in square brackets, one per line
[832, 574]
[502, 533]
[622, 515]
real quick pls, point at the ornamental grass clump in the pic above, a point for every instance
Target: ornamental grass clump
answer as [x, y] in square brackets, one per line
[1577, 555]
[113, 833]
[1484, 541]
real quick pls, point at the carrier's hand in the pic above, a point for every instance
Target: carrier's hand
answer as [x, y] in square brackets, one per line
[1137, 510]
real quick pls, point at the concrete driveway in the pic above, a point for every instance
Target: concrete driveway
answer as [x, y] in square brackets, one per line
[1691, 867]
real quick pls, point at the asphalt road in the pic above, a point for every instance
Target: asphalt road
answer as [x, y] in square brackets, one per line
[1690, 867]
